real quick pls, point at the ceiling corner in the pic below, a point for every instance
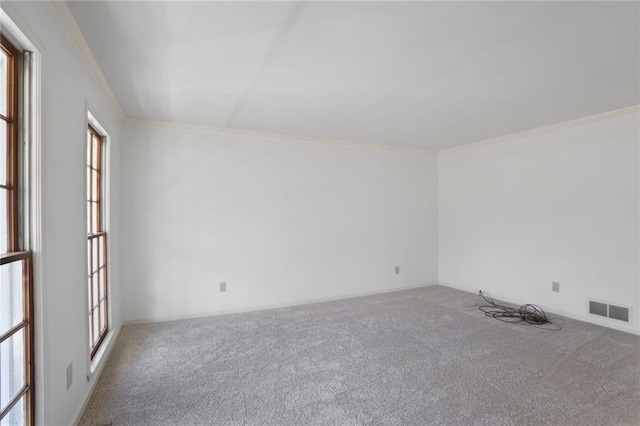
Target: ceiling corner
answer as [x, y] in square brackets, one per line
[68, 22]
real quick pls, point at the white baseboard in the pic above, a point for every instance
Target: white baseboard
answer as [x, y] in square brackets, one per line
[95, 376]
[272, 306]
[579, 317]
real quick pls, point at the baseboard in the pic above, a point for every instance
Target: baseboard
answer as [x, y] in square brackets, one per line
[584, 317]
[273, 306]
[95, 376]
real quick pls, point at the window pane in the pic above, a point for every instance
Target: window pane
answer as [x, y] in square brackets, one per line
[15, 417]
[11, 367]
[3, 220]
[98, 248]
[97, 314]
[95, 216]
[89, 267]
[103, 250]
[95, 287]
[89, 295]
[96, 332]
[3, 82]
[92, 218]
[3, 152]
[94, 250]
[88, 183]
[92, 293]
[88, 217]
[91, 335]
[98, 284]
[88, 148]
[11, 296]
[91, 339]
[103, 316]
[94, 194]
[103, 282]
[96, 151]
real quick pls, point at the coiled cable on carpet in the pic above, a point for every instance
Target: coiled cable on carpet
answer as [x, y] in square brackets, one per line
[529, 313]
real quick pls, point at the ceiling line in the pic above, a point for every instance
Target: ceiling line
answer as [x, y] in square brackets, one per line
[634, 109]
[279, 136]
[64, 15]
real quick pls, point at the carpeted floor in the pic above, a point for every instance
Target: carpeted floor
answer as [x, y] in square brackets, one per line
[424, 356]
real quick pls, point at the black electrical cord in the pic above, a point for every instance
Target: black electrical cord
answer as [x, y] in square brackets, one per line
[529, 314]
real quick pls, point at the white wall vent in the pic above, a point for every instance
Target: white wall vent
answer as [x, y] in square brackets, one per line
[604, 309]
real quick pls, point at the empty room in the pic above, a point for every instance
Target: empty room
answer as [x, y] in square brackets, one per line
[319, 213]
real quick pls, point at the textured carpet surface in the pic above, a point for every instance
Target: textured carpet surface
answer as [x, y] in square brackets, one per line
[423, 356]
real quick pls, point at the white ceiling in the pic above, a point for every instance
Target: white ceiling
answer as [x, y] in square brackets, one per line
[413, 74]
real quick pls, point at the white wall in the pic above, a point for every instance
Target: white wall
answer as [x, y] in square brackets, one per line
[284, 222]
[280, 222]
[61, 318]
[557, 206]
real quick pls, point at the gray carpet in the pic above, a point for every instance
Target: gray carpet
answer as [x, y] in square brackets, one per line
[424, 356]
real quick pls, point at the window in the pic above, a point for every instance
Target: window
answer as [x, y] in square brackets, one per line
[16, 288]
[96, 241]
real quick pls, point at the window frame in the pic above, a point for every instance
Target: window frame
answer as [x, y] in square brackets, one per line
[15, 250]
[11, 121]
[96, 163]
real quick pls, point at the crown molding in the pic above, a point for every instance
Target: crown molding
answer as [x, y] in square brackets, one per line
[278, 136]
[64, 15]
[635, 109]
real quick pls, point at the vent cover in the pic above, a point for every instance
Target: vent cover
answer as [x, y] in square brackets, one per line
[597, 308]
[618, 312]
[606, 310]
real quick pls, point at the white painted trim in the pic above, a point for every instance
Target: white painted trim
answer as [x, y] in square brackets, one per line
[41, 341]
[258, 308]
[95, 376]
[64, 15]
[604, 322]
[91, 119]
[94, 122]
[279, 136]
[635, 109]
[21, 35]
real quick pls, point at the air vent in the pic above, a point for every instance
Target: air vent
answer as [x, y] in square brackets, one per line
[597, 308]
[619, 313]
[603, 309]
